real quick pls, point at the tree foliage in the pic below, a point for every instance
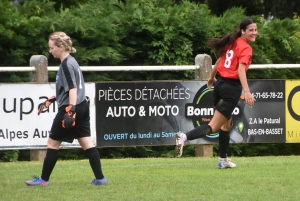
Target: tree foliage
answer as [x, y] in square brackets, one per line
[136, 32]
[267, 8]
[22, 31]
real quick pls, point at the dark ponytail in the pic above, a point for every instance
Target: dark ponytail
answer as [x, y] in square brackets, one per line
[228, 41]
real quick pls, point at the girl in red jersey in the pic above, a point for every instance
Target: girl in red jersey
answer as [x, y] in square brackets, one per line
[235, 58]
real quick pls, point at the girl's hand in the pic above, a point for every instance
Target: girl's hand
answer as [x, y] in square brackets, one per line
[210, 82]
[249, 99]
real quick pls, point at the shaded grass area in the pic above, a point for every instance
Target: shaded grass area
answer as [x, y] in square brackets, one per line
[254, 178]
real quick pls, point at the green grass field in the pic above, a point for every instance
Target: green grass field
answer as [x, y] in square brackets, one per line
[257, 178]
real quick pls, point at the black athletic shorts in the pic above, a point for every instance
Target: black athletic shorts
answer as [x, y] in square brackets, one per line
[81, 128]
[230, 91]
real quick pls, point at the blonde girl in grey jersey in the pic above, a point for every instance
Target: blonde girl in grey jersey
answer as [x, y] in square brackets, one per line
[73, 118]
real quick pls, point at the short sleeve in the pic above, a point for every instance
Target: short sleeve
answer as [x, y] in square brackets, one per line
[246, 56]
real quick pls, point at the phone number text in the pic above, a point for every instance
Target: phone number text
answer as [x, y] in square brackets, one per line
[266, 95]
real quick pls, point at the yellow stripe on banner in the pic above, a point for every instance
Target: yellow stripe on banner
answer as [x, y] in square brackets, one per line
[292, 113]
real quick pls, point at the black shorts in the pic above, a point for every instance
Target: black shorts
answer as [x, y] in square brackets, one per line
[230, 91]
[81, 128]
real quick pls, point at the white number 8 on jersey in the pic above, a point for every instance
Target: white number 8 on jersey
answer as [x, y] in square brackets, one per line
[229, 55]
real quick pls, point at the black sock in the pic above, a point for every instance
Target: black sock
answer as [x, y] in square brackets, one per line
[49, 163]
[94, 158]
[199, 132]
[224, 139]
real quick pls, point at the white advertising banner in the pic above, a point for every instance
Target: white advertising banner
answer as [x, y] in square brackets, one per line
[20, 125]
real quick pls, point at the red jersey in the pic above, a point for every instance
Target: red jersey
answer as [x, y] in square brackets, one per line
[230, 60]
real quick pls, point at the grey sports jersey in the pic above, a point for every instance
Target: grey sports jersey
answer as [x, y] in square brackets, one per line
[69, 76]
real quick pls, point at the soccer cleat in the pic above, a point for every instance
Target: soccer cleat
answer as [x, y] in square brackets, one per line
[37, 181]
[99, 181]
[226, 163]
[180, 139]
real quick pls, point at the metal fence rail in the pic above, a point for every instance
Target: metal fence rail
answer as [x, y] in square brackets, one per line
[143, 68]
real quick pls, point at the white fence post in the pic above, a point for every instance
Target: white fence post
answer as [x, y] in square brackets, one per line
[204, 62]
[40, 75]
